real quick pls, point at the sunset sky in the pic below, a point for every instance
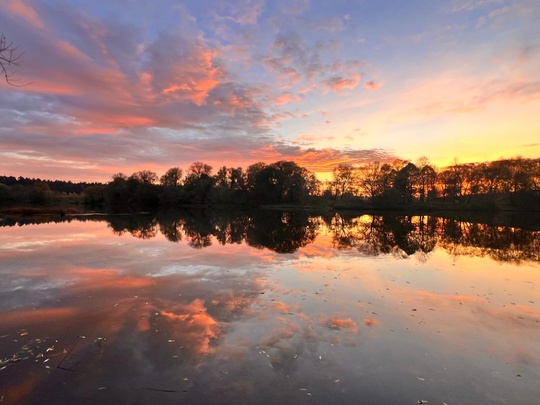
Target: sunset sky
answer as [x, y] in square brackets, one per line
[126, 85]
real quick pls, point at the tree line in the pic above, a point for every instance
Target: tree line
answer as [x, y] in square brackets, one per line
[281, 182]
[17, 190]
[404, 182]
[502, 183]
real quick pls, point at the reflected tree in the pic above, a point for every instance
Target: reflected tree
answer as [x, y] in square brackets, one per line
[140, 226]
[282, 232]
[171, 228]
[286, 232]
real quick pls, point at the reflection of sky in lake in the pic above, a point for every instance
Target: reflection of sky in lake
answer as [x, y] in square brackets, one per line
[236, 324]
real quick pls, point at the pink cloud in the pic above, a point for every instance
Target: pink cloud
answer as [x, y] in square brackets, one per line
[499, 11]
[286, 98]
[21, 10]
[102, 93]
[187, 74]
[340, 83]
[373, 85]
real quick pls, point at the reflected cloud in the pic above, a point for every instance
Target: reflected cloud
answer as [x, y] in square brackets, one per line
[15, 318]
[192, 323]
[131, 313]
[337, 323]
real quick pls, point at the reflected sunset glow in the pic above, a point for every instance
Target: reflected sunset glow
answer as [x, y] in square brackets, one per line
[112, 298]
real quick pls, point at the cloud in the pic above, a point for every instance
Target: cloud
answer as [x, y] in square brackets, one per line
[338, 323]
[293, 7]
[286, 98]
[300, 69]
[333, 24]
[181, 70]
[470, 5]
[192, 323]
[373, 85]
[19, 9]
[246, 12]
[339, 83]
[114, 93]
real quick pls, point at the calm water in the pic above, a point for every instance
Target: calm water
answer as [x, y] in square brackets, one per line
[269, 308]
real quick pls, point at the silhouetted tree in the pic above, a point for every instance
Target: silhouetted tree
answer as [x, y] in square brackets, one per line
[426, 179]
[280, 182]
[406, 181]
[172, 177]
[370, 179]
[198, 182]
[230, 186]
[9, 58]
[345, 179]
[144, 177]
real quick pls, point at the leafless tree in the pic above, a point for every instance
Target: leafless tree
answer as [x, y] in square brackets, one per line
[9, 58]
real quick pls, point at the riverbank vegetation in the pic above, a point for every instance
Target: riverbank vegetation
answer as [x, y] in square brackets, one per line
[508, 184]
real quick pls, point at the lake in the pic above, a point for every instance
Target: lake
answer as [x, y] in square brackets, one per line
[268, 308]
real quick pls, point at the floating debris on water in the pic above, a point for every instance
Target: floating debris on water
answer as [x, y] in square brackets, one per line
[158, 390]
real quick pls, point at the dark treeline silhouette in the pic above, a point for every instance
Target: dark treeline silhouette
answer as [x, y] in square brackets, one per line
[499, 184]
[15, 190]
[507, 184]
[286, 232]
[503, 184]
[276, 183]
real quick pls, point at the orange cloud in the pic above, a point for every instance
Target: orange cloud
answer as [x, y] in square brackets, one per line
[285, 98]
[337, 323]
[341, 83]
[32, 316]
[369, 322]
[284, 308]
[429, 296]
[194, 325]
[189, 78]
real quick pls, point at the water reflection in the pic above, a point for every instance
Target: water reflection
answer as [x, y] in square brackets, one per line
[282, 232]
[205, 308]
[286, 232]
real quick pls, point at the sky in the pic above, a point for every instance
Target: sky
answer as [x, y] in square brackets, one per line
[127, 85]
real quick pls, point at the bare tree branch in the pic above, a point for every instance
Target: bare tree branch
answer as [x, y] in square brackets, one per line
[9, 59]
